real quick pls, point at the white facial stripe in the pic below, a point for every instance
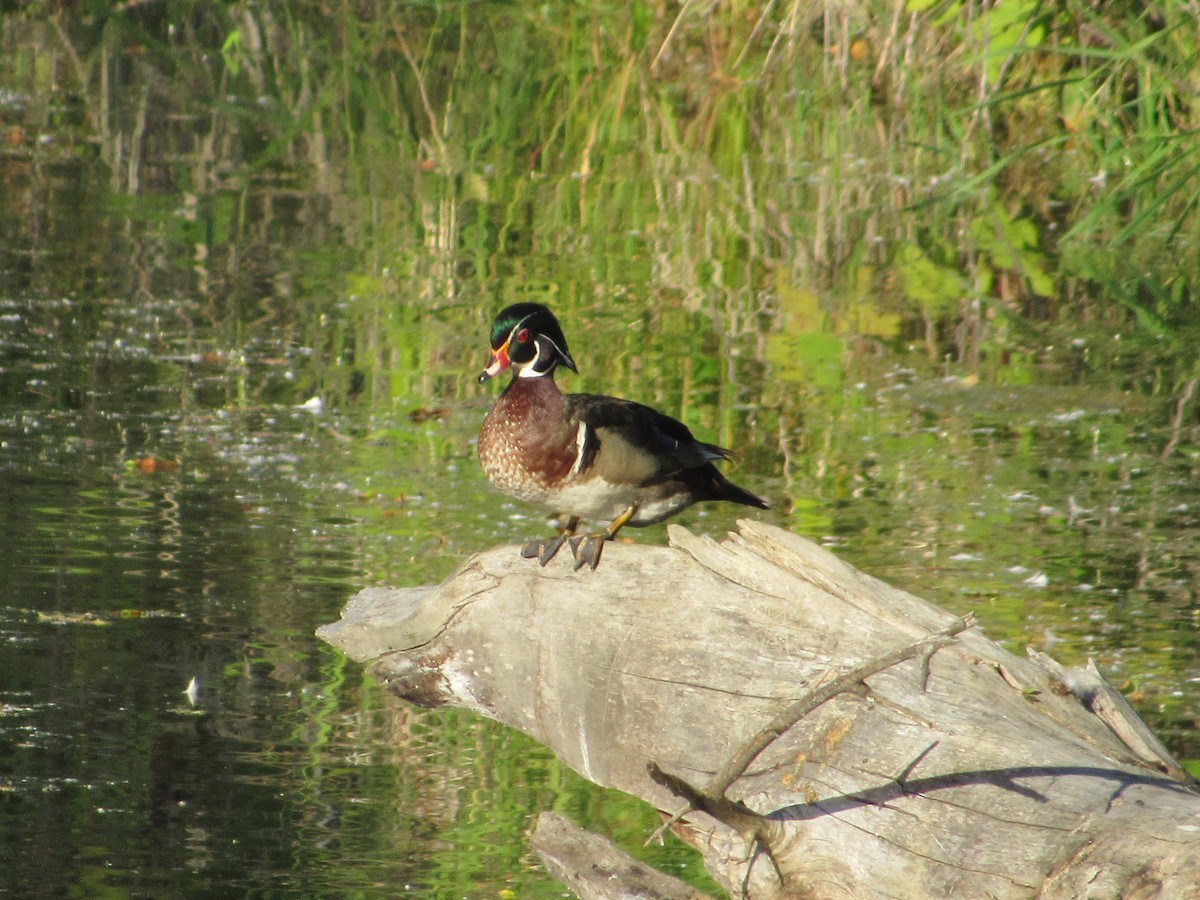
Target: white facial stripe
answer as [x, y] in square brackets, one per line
[557, 349]
[542, 361]
[513, 334]
[529, 369]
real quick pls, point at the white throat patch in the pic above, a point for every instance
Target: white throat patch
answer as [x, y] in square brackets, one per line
[529, 370]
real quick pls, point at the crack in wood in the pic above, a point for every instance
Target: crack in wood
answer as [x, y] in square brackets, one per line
[713, 795]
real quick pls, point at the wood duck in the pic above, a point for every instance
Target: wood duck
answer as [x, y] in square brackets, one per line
[586, 455]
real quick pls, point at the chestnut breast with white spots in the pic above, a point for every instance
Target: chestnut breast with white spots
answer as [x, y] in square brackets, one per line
[526, 445]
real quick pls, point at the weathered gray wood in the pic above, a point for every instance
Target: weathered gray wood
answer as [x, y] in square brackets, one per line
[596, 870]
[984, 775]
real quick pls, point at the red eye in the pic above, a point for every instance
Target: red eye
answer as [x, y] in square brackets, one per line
[522, 335]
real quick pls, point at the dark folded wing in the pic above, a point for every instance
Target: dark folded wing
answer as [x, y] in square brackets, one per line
[642, 440]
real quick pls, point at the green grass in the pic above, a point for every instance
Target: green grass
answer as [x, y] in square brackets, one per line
[1043, 157]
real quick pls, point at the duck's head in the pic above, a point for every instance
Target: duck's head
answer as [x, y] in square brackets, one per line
[527, 337]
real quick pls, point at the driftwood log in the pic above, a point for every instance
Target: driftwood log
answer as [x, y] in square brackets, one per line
[962, 770]
[596, 870]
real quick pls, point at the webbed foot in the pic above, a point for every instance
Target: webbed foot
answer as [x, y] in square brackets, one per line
[587, 548]
[545, 550]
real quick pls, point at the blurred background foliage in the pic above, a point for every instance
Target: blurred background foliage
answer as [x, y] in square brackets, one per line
[986, 169]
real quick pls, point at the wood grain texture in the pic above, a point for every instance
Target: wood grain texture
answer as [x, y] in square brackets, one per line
[594, 869]
[983, 774]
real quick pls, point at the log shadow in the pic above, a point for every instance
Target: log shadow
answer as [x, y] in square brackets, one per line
[1009, 779]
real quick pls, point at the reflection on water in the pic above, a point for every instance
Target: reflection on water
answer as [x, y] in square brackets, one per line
[155, 539]
[237, 384]
[158, 537]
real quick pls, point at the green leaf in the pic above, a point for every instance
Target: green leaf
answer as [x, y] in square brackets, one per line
[231, 51]
[934, 287]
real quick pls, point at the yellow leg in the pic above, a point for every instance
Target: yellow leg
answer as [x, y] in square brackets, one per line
[587, 548]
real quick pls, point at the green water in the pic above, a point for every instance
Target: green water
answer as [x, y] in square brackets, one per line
[195, 243]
